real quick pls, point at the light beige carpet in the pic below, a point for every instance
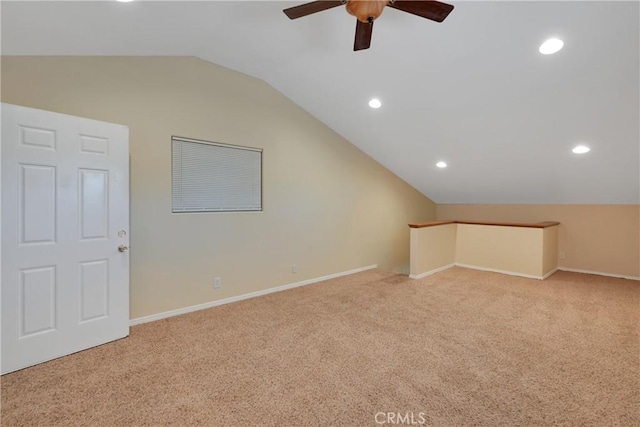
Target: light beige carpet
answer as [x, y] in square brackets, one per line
[460, 348]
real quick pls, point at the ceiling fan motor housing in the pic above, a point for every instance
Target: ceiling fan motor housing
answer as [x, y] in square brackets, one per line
[366, 10]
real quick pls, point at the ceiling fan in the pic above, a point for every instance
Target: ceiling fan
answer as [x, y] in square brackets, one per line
[367, 11]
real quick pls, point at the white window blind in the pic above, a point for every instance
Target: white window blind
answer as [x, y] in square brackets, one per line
[211, 177]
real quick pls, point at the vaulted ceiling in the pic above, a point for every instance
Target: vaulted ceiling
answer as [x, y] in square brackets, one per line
[472, 91]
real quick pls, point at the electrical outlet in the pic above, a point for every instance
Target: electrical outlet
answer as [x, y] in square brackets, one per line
[561, 255]
[294, 268]
[217, 283]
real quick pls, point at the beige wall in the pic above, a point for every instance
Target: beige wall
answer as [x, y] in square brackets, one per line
[432, 248]
[597, 238]
[515, 249]
[550, 250]
[328, 207]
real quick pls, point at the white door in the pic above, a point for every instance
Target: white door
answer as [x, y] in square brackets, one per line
[65, 213]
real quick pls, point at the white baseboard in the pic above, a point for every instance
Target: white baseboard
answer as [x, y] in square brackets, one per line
[598, 273]
[190, 309]
[549, 273]
[475, 267]
[430, 272]
[494, 270]
[528, 276]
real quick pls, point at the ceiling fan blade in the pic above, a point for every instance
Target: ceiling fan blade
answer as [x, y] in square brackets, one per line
[434, 10]
[364, 30]
[309, 8]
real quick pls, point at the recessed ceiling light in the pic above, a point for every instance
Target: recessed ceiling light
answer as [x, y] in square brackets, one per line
[124, 1]
[581, 149]
[551, 46]
[441, 164]
[375, 103]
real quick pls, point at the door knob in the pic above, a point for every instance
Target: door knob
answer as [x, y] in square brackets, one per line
[123, 248]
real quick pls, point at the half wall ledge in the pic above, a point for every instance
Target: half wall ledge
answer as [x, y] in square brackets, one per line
[520, 249]
[543, 224]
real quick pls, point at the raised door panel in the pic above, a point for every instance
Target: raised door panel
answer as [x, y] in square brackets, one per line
[93, 188]
[37, 204]
[94, 290]
[37, 304]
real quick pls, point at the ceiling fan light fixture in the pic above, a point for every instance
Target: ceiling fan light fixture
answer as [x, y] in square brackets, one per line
[551, 46]
[366, 11]
[375, 103]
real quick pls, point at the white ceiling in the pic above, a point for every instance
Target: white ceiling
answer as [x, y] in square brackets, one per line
[472, 91]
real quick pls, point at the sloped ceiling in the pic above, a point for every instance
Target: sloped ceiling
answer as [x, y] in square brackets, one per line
[472, 91]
